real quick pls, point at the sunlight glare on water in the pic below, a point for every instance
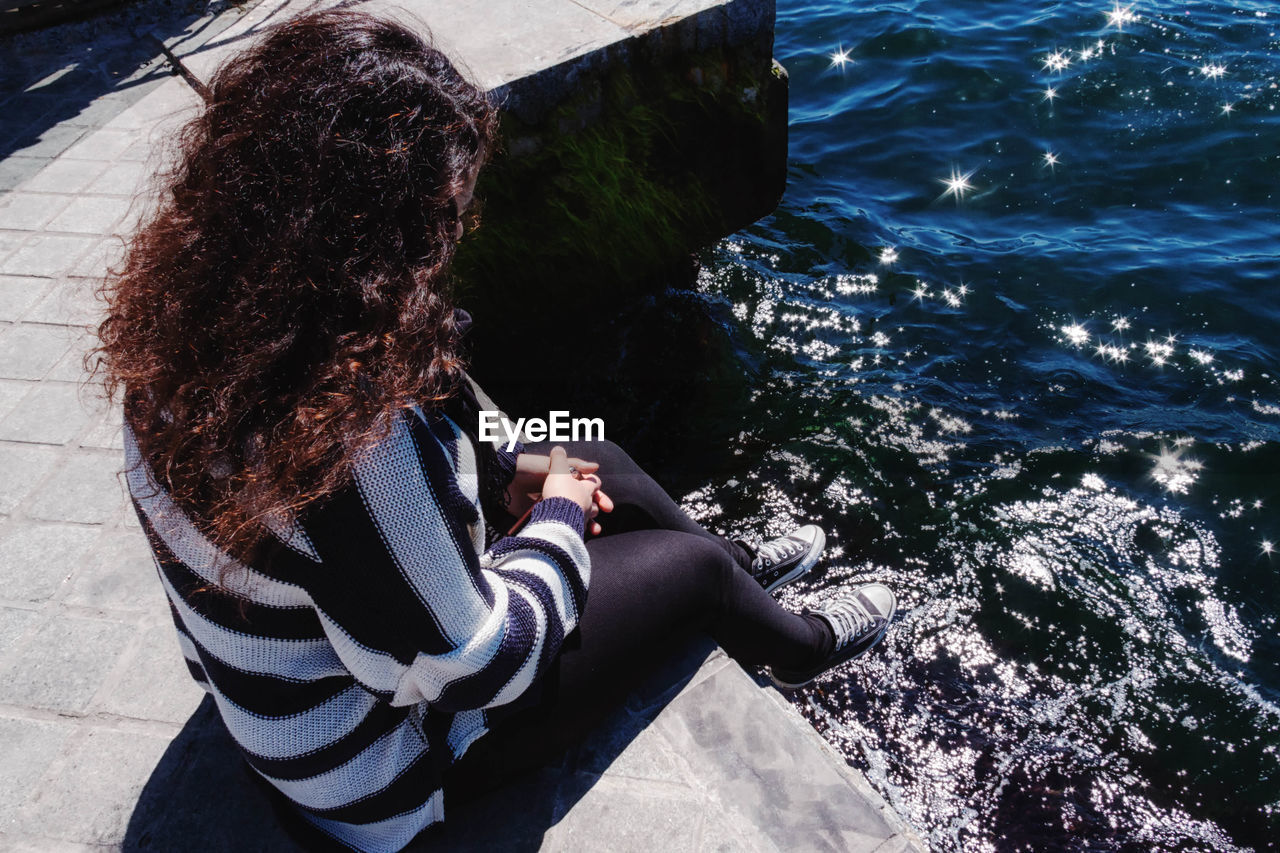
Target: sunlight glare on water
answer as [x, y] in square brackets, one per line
[1011, 339]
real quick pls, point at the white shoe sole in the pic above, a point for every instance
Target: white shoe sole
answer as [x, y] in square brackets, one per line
[787, 685]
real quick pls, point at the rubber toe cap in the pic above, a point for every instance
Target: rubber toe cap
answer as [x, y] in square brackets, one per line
[879, 600]
[812, 534]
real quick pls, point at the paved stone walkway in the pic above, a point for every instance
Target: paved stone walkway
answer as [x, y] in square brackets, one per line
[104, 739]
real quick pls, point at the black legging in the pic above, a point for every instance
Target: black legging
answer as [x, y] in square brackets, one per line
[657, 579]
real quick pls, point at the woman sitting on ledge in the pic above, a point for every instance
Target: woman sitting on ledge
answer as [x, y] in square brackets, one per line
[301, 449]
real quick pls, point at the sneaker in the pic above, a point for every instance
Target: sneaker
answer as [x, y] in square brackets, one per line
[858, 618]
[786, 558]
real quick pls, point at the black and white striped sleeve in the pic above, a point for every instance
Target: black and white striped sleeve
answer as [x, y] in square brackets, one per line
[411, 608]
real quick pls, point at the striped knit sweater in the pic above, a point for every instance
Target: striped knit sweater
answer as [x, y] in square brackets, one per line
[358, 665]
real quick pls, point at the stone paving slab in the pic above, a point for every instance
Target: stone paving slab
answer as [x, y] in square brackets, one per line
[698, 760]
[105, 742]
[93, 690]
[641, 15]
[528, 53]
[498, 41]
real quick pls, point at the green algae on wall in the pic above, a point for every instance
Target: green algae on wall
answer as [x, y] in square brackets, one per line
[623, 180]
[592, 213]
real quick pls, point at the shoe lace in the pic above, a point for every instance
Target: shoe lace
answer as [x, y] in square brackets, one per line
[850, 620]
[777, 550]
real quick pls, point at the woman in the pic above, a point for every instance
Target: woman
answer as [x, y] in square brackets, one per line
[301, 450]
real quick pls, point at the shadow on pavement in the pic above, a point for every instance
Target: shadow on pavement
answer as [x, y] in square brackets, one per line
[203, 796]
[59, 83]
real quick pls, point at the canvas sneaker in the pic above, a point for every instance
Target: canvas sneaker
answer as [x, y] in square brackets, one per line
[782, 560]
[858, 618]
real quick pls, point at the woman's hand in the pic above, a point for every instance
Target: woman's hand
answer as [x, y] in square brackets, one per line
[553, 477]
[531, 470]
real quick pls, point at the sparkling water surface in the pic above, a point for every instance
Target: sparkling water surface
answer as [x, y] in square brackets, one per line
[1013, 340]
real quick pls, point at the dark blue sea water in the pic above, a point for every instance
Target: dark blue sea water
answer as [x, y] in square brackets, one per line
[1014, 338]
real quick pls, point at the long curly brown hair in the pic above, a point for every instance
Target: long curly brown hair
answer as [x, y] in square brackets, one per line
[290, 295]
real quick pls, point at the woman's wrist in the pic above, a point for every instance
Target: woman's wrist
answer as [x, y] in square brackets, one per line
[561, 509]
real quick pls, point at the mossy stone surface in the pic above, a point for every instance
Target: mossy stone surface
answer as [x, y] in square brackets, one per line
[589, 225]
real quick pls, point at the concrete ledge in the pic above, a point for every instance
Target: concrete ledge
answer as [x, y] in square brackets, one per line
[634, 133]
[526, 52]
[698, 759]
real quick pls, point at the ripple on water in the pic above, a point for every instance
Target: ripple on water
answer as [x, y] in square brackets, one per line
[1017, 355]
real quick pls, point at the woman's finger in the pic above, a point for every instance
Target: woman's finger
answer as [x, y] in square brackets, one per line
[583, 466]
[604, 501]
